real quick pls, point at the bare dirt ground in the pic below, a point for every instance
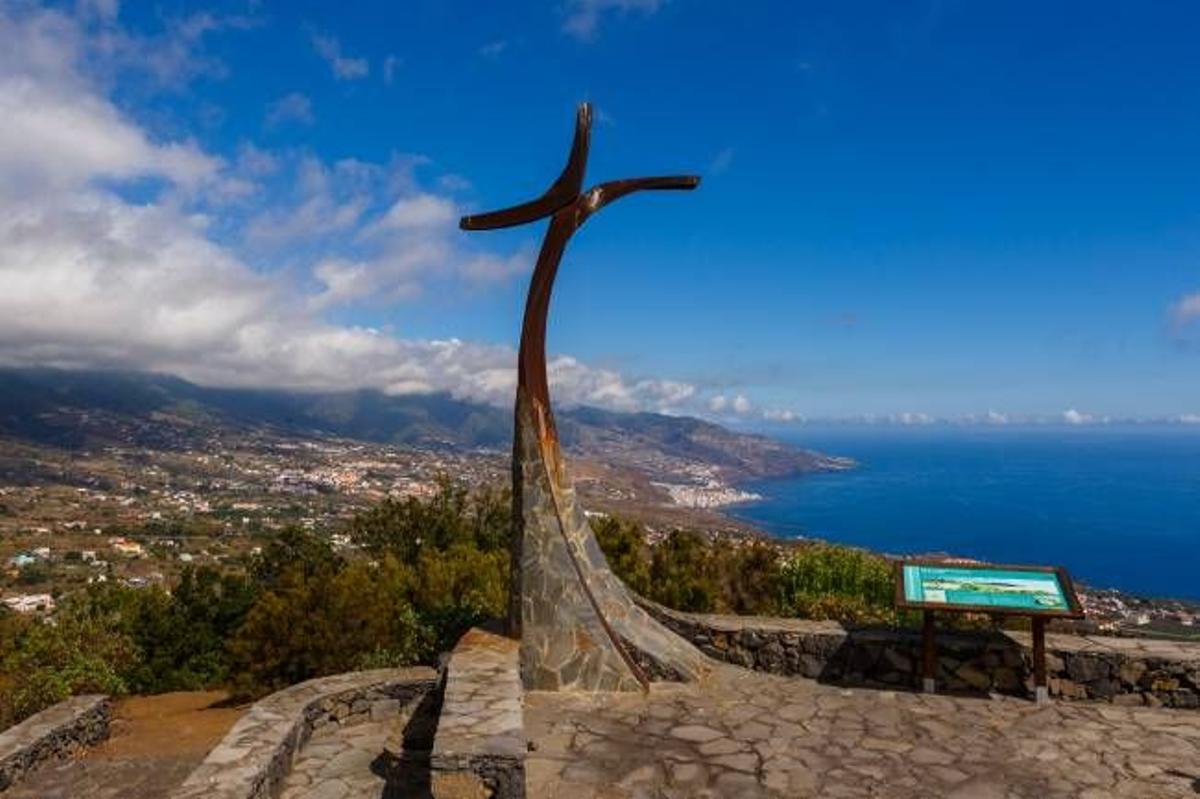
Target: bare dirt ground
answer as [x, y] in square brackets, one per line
[154, 744]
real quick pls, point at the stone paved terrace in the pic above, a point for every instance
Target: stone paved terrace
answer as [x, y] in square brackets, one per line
[748, 734]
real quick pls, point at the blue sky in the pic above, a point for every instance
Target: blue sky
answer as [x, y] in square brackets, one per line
[909, 210]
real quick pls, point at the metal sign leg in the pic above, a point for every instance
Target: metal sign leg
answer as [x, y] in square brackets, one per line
[1041, 695]
[928, 655]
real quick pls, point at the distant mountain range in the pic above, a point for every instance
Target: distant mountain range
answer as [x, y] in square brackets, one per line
[76, 409]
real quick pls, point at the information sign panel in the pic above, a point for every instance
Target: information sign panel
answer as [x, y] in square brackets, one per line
[988, 589]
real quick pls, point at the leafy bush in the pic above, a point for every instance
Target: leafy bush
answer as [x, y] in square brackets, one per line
[624, 545]
[438, 567]
[181, 637]
[405, 528]
[312, 624]
[683, 573]
[82, 651]
[823, 581]
[687, 572]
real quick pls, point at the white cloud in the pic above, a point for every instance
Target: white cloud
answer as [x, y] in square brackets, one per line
[583, 16]
[491, 268]
[344, 68]
[996, 418]
[418, 211]
[1186, 310]
[738, 404]
[781, 415]
[493, 49]
[256, 162]
[454, 183]
[293, 107]
[324, 200]
[909, 418]
[58, 132]
[390, 65]
[721, 163]
[60, 136]
[1072, 416]
[106, 10]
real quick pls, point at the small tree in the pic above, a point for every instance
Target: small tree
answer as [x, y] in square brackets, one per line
[681, 574]
[310, 625]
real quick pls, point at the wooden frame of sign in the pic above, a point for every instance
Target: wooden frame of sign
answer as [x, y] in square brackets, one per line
[1071, 609]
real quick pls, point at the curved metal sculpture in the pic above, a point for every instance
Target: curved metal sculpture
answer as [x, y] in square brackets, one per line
[578, 625]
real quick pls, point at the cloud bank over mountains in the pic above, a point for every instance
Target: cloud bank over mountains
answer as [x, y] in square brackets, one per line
[225, 273]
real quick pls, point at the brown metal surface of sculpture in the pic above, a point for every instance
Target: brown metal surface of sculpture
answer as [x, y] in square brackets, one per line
[578, 625]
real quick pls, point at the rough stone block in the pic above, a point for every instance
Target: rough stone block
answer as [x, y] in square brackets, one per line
[458, 785]
[480, 742]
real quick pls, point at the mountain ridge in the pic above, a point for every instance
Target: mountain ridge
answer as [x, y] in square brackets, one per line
[78, 408]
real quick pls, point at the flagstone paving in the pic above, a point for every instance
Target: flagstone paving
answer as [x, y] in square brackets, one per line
[349, 763]
[746, 734]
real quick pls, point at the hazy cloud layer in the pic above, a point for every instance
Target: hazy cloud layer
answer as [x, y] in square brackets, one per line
[293, 107]
[1186, 310]
[583, 17]
[344, 67]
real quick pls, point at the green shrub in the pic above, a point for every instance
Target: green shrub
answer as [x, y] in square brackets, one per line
[309, 625]
[824, 581]
[750, 574]
[624, 545]
[182, 637]
[82, 651]
[454, 515]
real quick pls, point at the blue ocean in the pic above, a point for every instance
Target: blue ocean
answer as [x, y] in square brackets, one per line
[1118, 507]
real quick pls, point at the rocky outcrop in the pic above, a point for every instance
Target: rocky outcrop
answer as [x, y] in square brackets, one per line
[1102, 668]
[57, 732]
[254, 757]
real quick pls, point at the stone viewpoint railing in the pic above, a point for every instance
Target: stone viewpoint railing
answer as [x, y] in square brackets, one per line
[1120, 670]
[57, 731]
[255, 756]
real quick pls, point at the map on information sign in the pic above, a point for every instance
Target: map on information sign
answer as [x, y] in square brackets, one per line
[1002, 588]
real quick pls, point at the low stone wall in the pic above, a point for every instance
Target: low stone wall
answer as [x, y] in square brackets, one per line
[254, 757]
[1120, 670]
[479, 750]
[57, 731]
